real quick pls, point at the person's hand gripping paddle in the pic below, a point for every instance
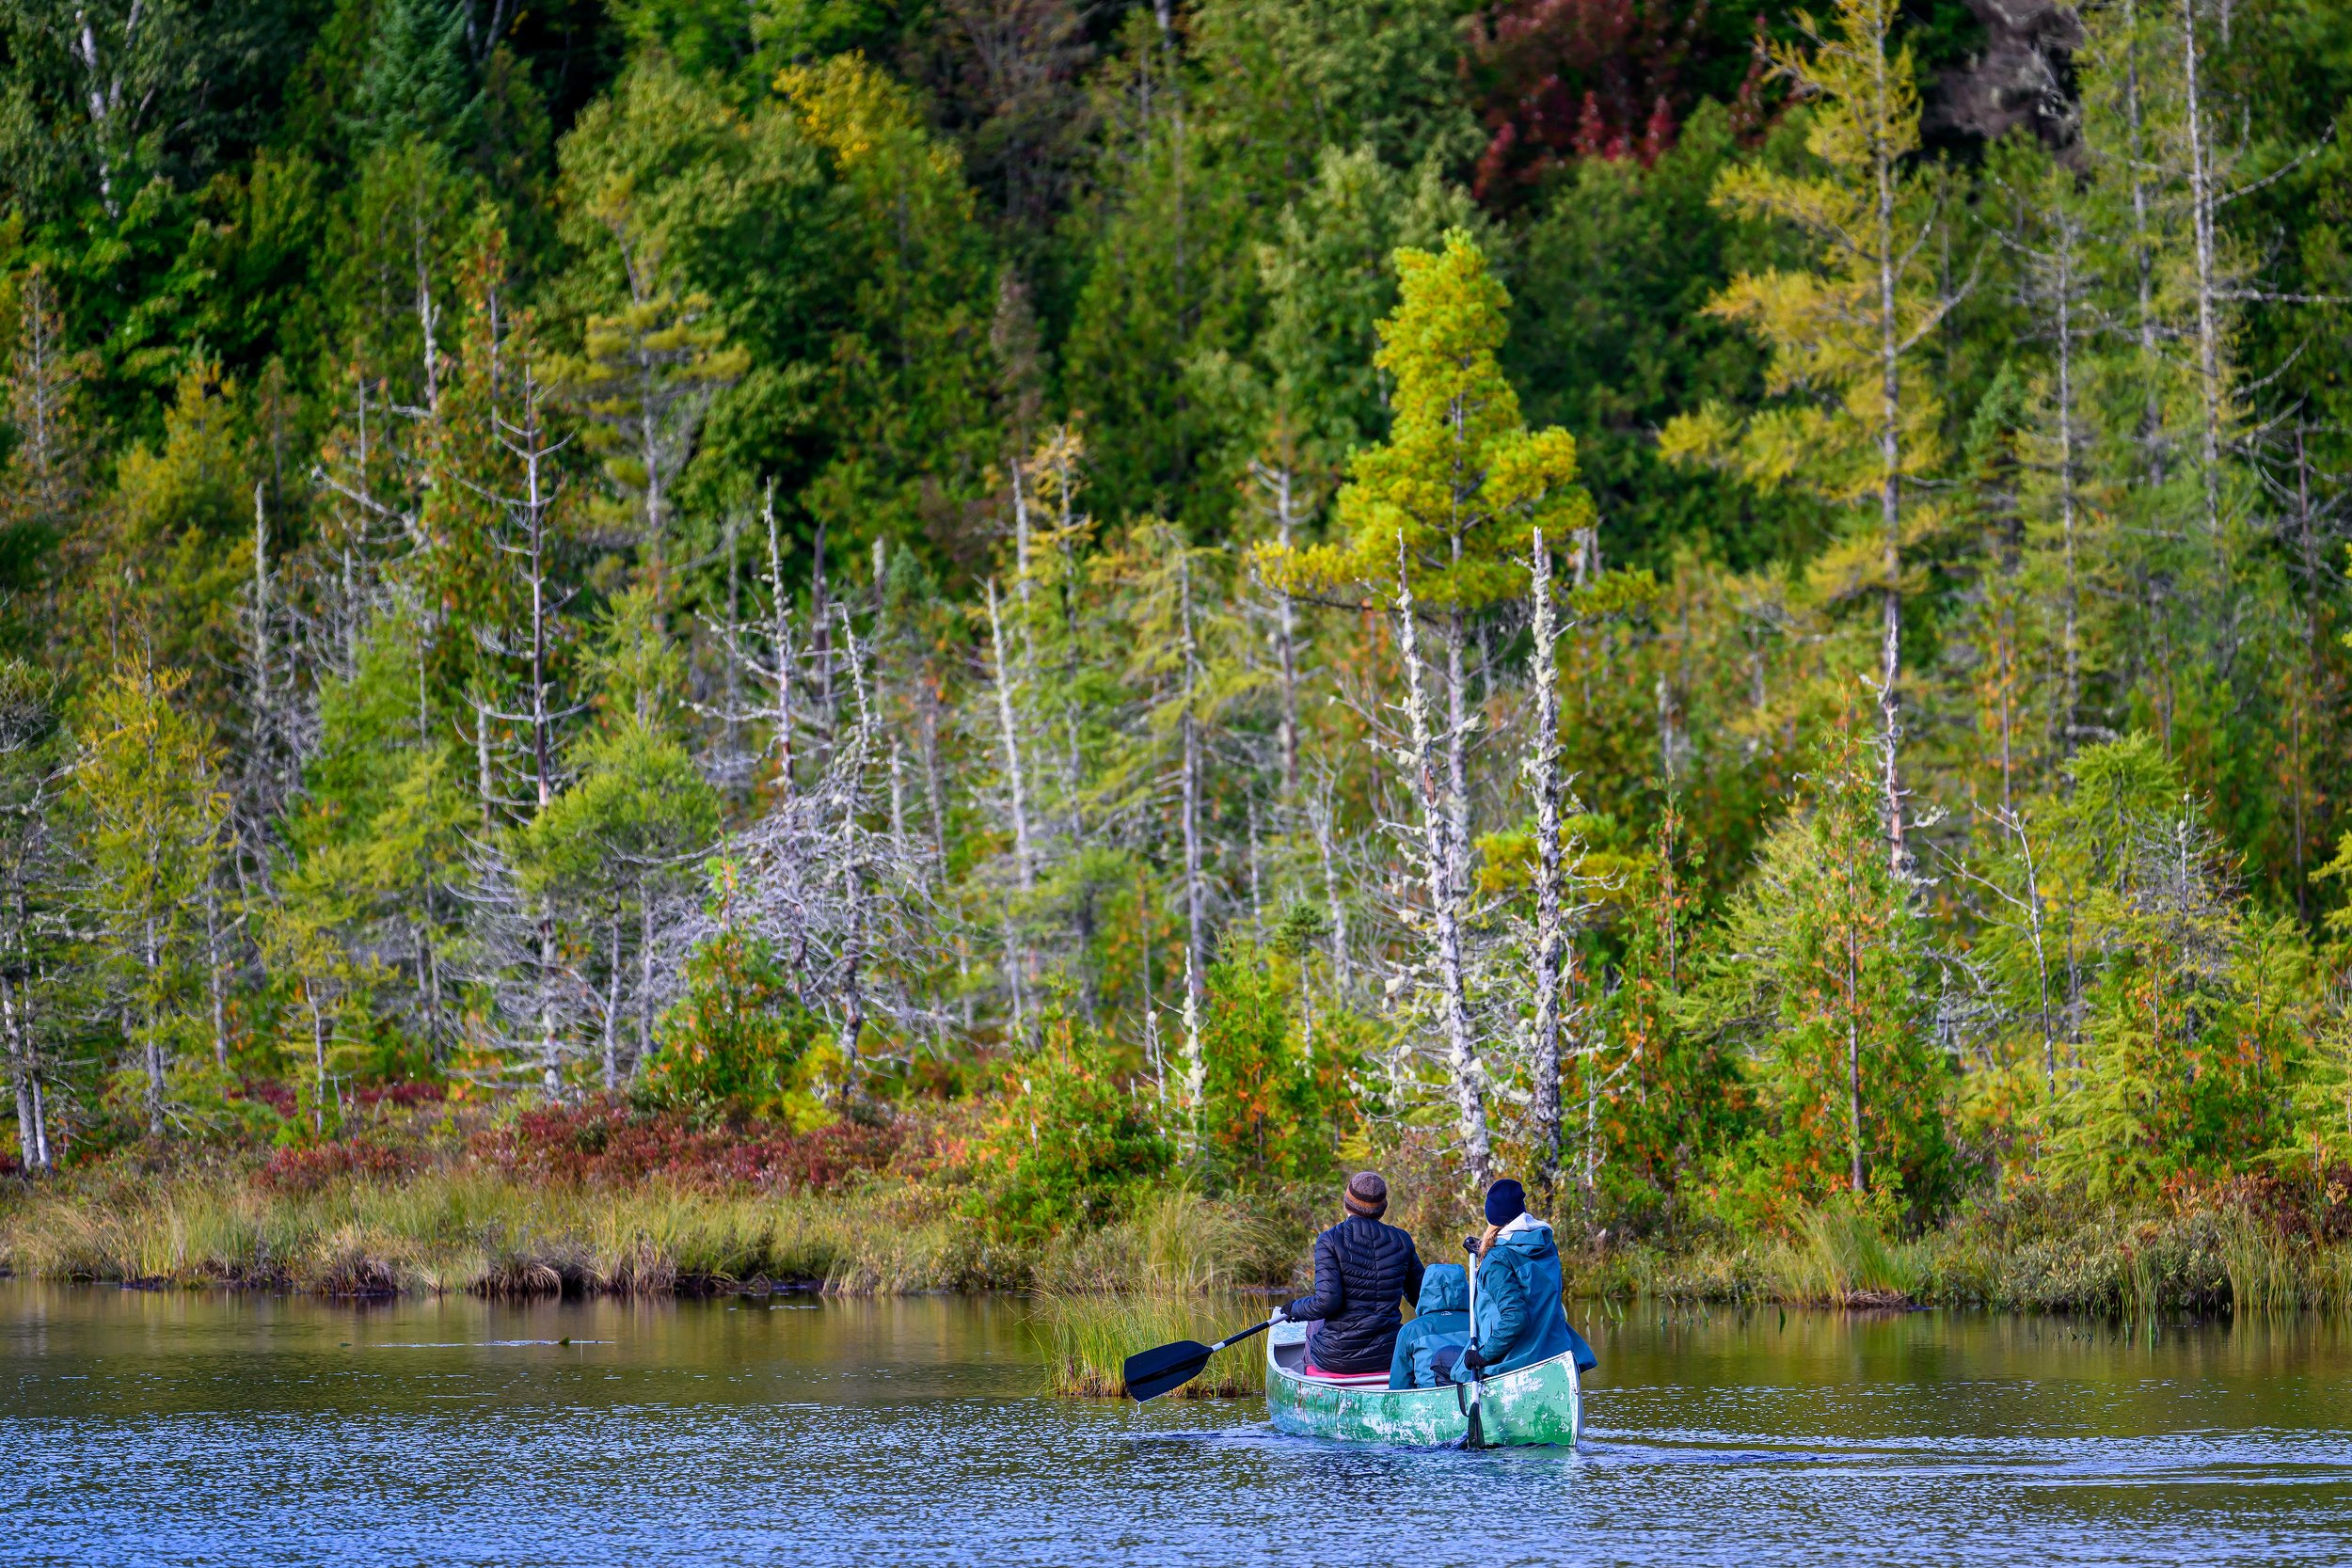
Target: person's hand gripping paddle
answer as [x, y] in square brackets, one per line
[1476, 1436]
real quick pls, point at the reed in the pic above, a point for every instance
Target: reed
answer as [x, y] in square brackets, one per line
[469, 1230]
[2331, 1279]
[1086, 1336]
[1175, 1243]
[1839, 1256]
[2263, 1266]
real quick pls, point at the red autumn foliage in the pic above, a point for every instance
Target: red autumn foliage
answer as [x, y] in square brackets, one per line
[2318, 1211]
[606, 1143]
[408, 1094]
[306, 1170]
[1567, 79]
[278, 1096]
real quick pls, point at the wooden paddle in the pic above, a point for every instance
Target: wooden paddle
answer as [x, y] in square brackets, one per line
[1153, 1372]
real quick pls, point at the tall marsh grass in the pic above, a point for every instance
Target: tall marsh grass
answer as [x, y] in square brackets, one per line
[1175, 1243]
[1839, 1256]
[471, 1229]
[1086, 1337]
[1172, 1269]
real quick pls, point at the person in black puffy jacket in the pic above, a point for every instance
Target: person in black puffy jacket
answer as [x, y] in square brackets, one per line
[1363, 1269]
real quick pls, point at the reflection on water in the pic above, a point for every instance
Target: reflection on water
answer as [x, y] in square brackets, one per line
[240, 1429]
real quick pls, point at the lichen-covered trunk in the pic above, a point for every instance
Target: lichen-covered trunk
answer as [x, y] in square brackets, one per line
[1438, 859]
[1543, 777]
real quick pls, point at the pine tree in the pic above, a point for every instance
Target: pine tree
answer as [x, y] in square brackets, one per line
[419, 81]
[1436, 512]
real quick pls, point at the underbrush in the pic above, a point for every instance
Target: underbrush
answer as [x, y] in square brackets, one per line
[600, 1198]
[604, 1141]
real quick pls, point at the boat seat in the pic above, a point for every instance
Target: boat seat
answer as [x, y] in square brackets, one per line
[1345, 1379]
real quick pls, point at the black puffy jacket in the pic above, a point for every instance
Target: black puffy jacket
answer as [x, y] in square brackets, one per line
[1362, 1270]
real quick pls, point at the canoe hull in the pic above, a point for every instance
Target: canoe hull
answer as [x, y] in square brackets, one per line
[1537, 1406]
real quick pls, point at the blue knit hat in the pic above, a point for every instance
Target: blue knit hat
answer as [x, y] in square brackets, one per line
[1507, 1201]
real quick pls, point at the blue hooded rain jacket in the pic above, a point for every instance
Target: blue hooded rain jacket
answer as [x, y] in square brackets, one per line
[1520, 1318]
[1440, 1329]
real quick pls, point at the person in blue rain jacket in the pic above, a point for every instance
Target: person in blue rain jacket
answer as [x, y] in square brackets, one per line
[1520, 1318]
[1427, 1347]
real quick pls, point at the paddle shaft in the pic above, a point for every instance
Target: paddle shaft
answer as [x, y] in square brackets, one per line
[1476, 1436]
[1237, 1338]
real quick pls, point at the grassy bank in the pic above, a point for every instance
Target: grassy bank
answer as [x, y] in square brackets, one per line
[465, 1225]
[1085, 1339]
[472, 1228]
[478, 1230]
[2204, 1251]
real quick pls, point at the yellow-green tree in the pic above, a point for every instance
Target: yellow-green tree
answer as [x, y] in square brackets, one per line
[306, 941]
[1455, 488]
[1858, 424]
[148, 813]
[1436, 515]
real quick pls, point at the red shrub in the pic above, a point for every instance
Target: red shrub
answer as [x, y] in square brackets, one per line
[603, 1142]
[406, 1094]
[817, 1162]
[306, 1170]
[278, 1096]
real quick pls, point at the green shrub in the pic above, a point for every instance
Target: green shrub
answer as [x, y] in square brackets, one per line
[1069, 1143]
[737, 1037]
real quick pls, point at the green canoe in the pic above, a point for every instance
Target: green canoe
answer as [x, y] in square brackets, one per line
[1535, 1406]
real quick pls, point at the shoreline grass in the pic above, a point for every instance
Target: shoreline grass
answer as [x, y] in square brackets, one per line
[459, 1226]
[440, 1231]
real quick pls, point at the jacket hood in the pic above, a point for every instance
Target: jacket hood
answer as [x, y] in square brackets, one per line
[1532, 1241]
[1444, 1287]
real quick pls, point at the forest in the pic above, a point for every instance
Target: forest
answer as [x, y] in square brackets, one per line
[1033, 604]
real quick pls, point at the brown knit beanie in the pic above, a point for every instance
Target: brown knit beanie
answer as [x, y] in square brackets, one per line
[1366, 1195]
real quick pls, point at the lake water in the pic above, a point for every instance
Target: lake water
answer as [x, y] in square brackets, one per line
[139, 1428]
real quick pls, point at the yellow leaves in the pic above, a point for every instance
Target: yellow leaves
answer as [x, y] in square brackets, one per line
[1870, 93]
[865, 120]
[1706, 438]
[842, 103]
[1831, 330]
[1824, 207]
[1458, 462]
[1440, 342]
[1856, 564]
[1534, 477]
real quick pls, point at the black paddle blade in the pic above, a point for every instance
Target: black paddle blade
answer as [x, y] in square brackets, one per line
[1153, 1372]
